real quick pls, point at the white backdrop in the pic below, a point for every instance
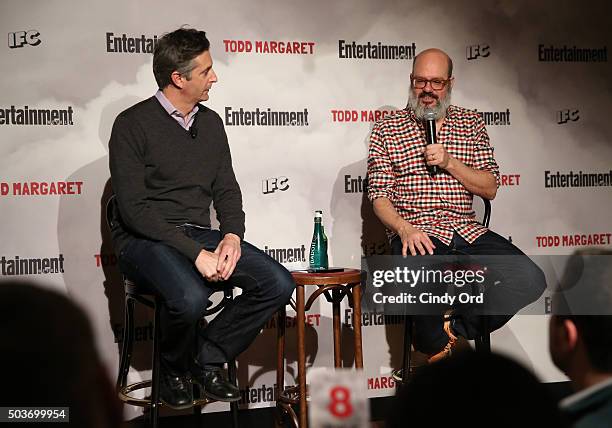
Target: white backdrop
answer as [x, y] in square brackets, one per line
[57, 58]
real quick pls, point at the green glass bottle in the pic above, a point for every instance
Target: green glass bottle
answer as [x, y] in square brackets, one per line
[318, 247]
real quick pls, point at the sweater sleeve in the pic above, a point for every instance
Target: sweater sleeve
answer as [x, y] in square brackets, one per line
[227, 198]
[127, 166]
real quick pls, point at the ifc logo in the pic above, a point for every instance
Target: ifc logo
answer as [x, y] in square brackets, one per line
[271, 185]
[567, 115]
[19, 39]
[477, 51]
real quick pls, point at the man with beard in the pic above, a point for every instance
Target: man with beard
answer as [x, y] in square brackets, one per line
[431, 214]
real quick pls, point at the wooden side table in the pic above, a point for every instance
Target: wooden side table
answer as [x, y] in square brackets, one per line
[334, 286]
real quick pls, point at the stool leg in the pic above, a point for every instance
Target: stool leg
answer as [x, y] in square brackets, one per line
[301, 354]
[231, 372]
[406, 360]
[358, 348]
[487, 335]
[483, 341]
[336, 329]
[128, 342]
[155, 372]
[281, 317]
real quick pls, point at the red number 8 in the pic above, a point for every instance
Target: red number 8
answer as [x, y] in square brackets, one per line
[340, 405]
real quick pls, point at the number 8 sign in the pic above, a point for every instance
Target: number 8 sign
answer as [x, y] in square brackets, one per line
[338, 398]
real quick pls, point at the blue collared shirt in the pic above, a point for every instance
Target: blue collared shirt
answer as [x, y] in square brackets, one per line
[184, 121]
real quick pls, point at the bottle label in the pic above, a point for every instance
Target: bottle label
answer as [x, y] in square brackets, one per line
[318, 249]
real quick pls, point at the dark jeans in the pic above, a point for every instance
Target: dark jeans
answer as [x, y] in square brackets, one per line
[266, 286]
[521, 282]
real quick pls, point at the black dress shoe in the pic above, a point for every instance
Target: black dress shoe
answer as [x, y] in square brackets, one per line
[175, 392]
[214, 386]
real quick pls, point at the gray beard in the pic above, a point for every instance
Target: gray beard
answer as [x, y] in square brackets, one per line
[439, 108]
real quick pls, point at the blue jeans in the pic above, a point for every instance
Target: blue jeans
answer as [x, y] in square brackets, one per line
[266, 286]
[522, 282]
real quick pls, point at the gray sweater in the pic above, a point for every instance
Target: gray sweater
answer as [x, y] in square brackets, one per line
[163, 177]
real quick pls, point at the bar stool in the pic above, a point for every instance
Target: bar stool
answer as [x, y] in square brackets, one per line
[335, 286]
[125, 391]
[137, 293]
[482, 342]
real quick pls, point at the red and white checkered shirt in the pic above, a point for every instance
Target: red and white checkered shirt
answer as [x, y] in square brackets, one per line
[437, 205]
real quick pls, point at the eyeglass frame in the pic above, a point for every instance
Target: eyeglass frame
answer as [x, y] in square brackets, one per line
[430, 81]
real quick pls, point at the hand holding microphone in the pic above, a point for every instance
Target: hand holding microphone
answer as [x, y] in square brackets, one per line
[435, 154]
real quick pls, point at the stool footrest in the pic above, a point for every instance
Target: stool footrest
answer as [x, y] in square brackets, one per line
[291, 394]
[125, 395]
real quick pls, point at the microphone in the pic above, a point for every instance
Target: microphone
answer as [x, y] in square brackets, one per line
[193, 131]
[429, 119]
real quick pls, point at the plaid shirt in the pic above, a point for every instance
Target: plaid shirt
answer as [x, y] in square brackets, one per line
[438, 205]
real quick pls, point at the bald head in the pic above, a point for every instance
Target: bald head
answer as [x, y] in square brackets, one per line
[433, 58]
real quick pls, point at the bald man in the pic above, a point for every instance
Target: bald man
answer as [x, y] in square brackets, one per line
[431, 214]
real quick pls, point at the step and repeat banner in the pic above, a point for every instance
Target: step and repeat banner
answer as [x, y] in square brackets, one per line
[300, 87]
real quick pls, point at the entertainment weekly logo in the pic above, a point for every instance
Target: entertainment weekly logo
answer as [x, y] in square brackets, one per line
[287, 255]
[19, 39]
[495, 118]
[123, 43]
[372, 319]
[355, 184]
[36, 116]
[20, 266]
[375, 50]
[551, 53]
[263, 116]
[556, 179]
[261, 394]
[279, 47]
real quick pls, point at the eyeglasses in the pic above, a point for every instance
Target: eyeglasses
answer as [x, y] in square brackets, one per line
[436, 84]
